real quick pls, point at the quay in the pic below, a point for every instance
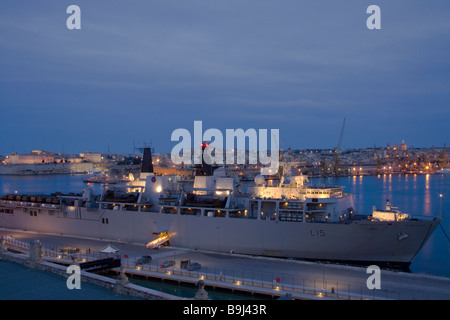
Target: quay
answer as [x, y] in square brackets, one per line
[269, 278]
[122, 290]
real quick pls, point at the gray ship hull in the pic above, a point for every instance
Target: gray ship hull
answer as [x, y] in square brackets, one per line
[385, 242]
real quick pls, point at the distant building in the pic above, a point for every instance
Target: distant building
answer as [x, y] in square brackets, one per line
[91, 157]
[40, 152]
[403, 146]
[15, 158]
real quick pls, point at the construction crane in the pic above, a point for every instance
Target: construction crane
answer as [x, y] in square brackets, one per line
[336, 151]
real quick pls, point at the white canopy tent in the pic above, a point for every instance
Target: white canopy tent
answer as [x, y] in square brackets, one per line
[109, 249]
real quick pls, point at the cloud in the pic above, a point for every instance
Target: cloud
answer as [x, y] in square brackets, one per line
[234, 63]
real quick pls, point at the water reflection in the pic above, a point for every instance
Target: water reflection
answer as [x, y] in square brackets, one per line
[427, 197]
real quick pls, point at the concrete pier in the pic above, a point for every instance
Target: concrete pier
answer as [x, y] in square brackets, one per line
[119, 285]
[258, 275]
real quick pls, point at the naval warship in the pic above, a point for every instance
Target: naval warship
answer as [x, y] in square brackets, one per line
[288, 218]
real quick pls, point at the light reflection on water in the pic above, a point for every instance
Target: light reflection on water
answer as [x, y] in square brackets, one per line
[419, 195]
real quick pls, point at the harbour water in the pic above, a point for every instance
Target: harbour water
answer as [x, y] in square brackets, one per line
[18, 282]
[414, 194]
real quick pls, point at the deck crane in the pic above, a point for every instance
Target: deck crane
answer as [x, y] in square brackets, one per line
[336, 151]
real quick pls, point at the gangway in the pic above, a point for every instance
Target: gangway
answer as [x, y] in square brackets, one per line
[162, 239]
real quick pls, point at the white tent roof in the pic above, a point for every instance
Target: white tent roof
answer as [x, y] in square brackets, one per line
[109, 249]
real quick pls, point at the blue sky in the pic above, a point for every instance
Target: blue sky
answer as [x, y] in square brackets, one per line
[138, 70]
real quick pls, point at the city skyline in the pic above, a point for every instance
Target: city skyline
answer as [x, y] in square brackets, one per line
[135, 73]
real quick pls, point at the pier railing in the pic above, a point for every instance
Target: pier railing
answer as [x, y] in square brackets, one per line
[15, 243]
[272, 283]
[239, 279]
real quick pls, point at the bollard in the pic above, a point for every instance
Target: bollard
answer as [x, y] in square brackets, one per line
[122, 278]
[201, 293]
[36, 251]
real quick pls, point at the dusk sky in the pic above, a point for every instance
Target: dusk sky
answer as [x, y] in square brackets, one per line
[138, 70]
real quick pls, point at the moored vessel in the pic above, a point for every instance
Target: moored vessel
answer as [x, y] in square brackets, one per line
[288, 218]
